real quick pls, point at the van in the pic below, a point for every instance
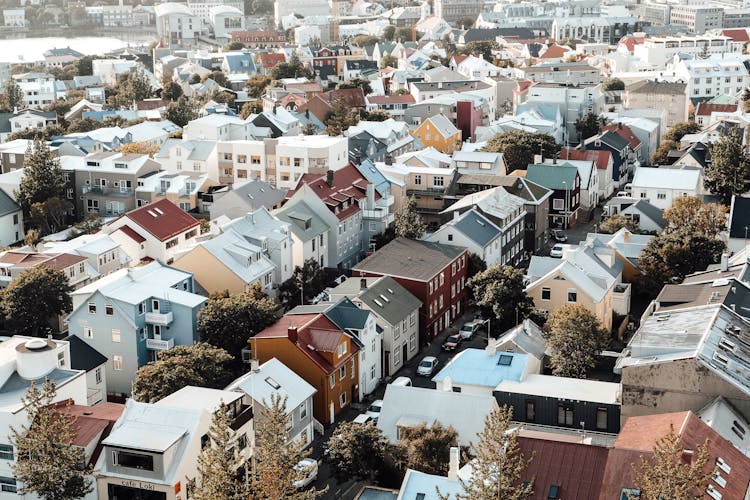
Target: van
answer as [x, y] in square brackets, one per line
[404, 381]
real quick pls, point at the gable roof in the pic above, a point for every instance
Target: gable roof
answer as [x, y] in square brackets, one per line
[625, 132]
[83, 356]
[348, 184]
[654, 213]
[475, 227]
[739, 216]
[600, 157]
[738, 35]
[557, 177]
[667, 178]
[274, 378]
[410, 259]
[162, 219]
[443, 125]
[7, 204]
[706, 108]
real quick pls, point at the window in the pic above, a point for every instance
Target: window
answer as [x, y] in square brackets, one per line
[417, 180]
[546, 293]
[303, 410]
[450, 238]
[331, 381]
[304, 438]
[558, 204]
[141, 308]
[564, 414]
[115, 335]
[372, 372]
[342, 372]
[117, 362]
[413, 342]
[242, 442]
[7, 484]
[172, 243]
[342, 399]
[109, 310]
[572, 295]
[601, 419]
[6, 451]
[342, 349]
[530, 411]
[133, 460]
[98, 374]
[413, 319]
[353, 370]
[397, 357]
[88, 332]
[437, 181]
[92, 308]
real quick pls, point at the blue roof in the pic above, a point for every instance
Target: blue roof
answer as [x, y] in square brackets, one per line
[476, 227]
[417, 482]
[475, 367]
[240, 62]
[374, 176]
[372, 493]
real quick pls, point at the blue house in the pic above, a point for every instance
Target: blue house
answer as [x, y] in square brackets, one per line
[479, 371]
[131, 314]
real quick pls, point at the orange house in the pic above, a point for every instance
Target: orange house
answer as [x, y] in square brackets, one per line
[440, 133]
[319, 352]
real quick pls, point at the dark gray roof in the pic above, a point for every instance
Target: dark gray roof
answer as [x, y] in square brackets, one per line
[411, 259]
[654, 213]
[346, 315]
[256, 194]
[400, 301]
[739, 217]
[476, 227]
[613, 140]
[83, 356]
[7, 205]
[523, 188]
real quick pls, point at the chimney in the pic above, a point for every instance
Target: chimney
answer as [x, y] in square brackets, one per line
[363, 283]
[724, 262]
[453, 464]
[491, 347]
[388, 160]
[626, 236]
[329, 178]
[254, 366]
[456, 214]
[291, 332]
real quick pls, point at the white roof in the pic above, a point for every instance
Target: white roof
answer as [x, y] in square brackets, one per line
[199, 398]
[666, 178]
[169, 8]
[443, 125]
[496, 202]
[564, 388]
[274, 378]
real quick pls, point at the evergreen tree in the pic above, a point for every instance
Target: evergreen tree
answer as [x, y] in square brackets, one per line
[309, 129]
[666, 476]
[725, 174]
[292, 68]
[408, 222]
[13, 96]
[34, 298]
[171, 91]
[427, 449]
[576, 337]
[588, 126]
[181, 112]
[134, 86]
[219, 466]
[308, 280]
[499, 293]
[47, 463]
[273, 472]
[340, 119]
[43, 177]
[497, 462]
[358, 450]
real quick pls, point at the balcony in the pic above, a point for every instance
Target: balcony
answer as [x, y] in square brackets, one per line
[94, 396]
[159, 345]
[161, 318]
[226, 179]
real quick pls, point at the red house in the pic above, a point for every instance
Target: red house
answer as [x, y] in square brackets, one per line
[434, 273]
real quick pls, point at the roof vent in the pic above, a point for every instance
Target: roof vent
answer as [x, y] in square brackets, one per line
[158, 210]
[311, 347]
[87, 413]
[35, 344]
[152, 214]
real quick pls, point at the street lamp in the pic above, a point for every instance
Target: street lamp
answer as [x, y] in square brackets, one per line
[565, 208]
[487, 321]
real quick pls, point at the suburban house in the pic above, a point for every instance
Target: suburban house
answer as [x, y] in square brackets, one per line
[476, 233]
[479, 371]
[11, 220]
[14, 262]
[650, 219]
[153, 447]
[103, 254]
[536, 204]
[246, 198]
[253, 249]
[396, 313]
[627, 247]
[311, 226]
[661, 186]
[440, 133]
[272, 380]
[318, 351]
[589, 191]
[622, 157]
[565, 182]
[131, 314]
[435, 274]
[155, 231]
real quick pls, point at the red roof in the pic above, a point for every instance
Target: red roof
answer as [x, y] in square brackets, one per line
[149, 104]
[91, 422]
[523, 86]
[630, 41]
[459, 58]
[600, 157]
[57, 261]
[270, 60]
[625, 132]
[391, 99]
[706, 108]
[739, 35]
[639, 434]
[163, 219]
[554, 52]
[127, 230]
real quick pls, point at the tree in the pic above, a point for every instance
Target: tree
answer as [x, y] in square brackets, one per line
[293, 68]
[588, 126]
[725, 174]
[365, 40]
[497, 462]
[689, 215]
[249, 108]
[181, 112]
[388, 61]
[358, 450]
[85, 66]
[219, 77]
[139, 148]
[236, 45]
[51, 215]
[12, 96]
[308, 280]
[84, 125]
[389, 32]
[666, 475]
[273, 472]
[681, 129]
[378, 115]
[499, 293]
[613, 84]
[427, 449]
[134, 86]
[194, 78]
[661, 156]
[218, 463]
[466, 22]
[171, 91]
[575, 336]
[43, 177]
[48, 463]
[229, 320]
[256, 86]
[32, 237]
[519, 147]
[403, 34]
[616, 222]
[35, 297]
[309, 129]
[475, 265]
[481, 48]
[202, 365]
[355, 83]
[408, 222]
[340, 119]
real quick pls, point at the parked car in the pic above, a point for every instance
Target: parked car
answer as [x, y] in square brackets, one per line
[470, 329]
[405, 381]
[427, 366]
[557, 251]
[374, 409]
[310, 467]
[452, 342]
[362, 418]
[559, 235]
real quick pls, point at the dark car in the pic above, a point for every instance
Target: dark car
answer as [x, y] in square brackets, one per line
[452, 342]
[559, 235]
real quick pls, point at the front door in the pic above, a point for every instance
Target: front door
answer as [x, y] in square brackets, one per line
[403, 354]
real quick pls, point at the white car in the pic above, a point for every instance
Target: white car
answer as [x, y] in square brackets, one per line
[362, 418]
[557, 251]
[469, 329]
[427, 366]
[374, 409]
[310, 467]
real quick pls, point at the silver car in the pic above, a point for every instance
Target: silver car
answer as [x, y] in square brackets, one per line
[310, 467]
[427, 366]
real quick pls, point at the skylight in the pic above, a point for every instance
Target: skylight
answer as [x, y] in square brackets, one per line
[505, 360]
[273, 383]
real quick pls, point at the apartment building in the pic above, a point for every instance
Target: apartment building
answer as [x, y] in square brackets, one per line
[697, 18]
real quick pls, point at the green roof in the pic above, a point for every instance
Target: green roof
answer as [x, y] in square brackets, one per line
[553, 176]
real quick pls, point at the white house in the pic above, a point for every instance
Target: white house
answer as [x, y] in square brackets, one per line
[661, 186]
[11, 220]
[310, 231]
[473, 231]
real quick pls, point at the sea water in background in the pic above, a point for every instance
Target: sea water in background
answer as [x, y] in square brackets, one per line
[30, 50]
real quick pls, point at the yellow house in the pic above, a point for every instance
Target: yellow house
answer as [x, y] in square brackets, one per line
[586, 275]
[440, 133]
